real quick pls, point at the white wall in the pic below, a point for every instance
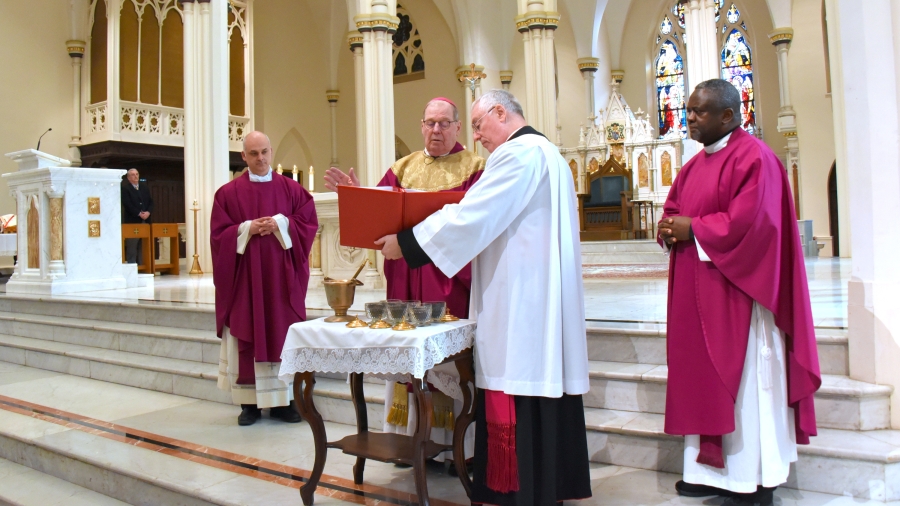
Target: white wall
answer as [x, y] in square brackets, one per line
[36, 80]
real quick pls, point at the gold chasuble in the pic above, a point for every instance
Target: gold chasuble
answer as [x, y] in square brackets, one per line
[419, 171]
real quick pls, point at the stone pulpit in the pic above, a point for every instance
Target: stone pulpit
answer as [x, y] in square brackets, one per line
[69, 227]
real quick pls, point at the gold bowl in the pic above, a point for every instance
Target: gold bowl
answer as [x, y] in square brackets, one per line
[339, 293]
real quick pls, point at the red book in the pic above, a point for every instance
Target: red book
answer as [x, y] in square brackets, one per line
[368, 214]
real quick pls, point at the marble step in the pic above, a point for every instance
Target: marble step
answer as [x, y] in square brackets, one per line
[841, 403]
[172, 376]
[23, 486]
[862, 465]
[646, 344]
[110, 469]
[173, 314]
[622, 252]
[154, 340]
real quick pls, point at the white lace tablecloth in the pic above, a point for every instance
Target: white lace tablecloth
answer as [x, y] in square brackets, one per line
[332, 347]
[8, 245]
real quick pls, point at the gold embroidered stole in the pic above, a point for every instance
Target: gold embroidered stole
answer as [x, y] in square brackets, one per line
[419, 172]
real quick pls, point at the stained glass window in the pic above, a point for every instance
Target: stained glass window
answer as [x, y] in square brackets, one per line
[737, 68]
[666, 26]
[670, 92]
[408, 54]
[678, 11]
[733, 14]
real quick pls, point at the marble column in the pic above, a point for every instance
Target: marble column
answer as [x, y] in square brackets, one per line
[467, 75]
[588, 67]
[537, 22]
[355, 40]
[787, 118]
[377, 22]
[57, 267]
[205, 113]
[702, 48]
[75, 48]
[332, 97]
[506, 78]
[866, 109]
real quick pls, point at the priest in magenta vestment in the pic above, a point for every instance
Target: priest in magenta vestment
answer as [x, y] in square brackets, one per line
[444, 165]
[742, 358]
[263, 226]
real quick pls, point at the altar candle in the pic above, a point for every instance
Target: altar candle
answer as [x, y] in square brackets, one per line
[312, 187]
[294, 172]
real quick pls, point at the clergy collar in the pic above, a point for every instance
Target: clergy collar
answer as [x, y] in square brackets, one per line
[525, 130]
[455, 149]
[260, 179]
[718, 145]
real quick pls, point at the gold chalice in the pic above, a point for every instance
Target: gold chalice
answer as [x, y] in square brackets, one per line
[339, 294]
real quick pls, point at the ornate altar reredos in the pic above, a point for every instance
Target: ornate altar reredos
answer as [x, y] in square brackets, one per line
[630, 139]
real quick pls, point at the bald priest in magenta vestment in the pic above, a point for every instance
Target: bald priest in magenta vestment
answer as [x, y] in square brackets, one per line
[263, 226]
[743, 365]
[519, 228]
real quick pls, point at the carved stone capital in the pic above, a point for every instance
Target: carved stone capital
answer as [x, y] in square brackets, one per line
[588, 64]
[537, 19]
[376, 22]
[781, 36]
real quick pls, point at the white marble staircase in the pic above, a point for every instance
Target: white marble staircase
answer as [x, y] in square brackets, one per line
[173, 349]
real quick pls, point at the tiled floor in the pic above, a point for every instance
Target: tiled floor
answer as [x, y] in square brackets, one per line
[209, 428]
[606, 299]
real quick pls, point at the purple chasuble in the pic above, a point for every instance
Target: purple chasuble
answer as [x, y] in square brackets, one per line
[744, 218]
[428, 283]
[262, 292]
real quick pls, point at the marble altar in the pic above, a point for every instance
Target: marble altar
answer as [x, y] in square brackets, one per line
[66, 241]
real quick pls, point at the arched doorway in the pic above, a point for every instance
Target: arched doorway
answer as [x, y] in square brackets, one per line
[833, 211]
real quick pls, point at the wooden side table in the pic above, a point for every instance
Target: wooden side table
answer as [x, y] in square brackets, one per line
[334, 348]
[167, 231]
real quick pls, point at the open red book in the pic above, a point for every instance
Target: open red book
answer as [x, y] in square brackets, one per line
[368, 214]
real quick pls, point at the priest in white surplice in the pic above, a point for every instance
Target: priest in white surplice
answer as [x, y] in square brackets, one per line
[519, 228]
[742, 358]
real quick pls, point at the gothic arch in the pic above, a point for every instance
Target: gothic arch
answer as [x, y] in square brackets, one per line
[292, 144]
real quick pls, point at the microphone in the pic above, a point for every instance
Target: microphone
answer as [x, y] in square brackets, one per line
[38, 148]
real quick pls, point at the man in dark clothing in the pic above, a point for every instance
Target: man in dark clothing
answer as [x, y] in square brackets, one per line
[137, 204]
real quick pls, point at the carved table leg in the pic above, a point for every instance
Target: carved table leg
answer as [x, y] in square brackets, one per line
[466, 417]
[304, 382]
[421, 437]
[362, 421]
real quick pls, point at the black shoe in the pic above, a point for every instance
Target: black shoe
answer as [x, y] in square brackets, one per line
[693, 490]
[249, 414]
[287, 413]
[762, 497]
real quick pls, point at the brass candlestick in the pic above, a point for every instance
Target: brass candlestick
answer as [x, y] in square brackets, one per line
[195, 267]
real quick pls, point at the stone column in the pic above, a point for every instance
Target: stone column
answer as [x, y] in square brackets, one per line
[205, 114]
[315, 260]
[866, 110]
[355, 40]
[506, 78]
[332, 97]
[537, 22]
[57, 268]
[588, 67]
[75, 49]
[377, 21]
[787, 118]
[702, 48]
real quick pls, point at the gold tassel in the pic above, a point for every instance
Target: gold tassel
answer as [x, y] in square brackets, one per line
[399, 414]
[442, 411]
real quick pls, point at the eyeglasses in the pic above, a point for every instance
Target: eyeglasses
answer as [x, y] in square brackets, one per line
[476, 125]
[442, 125]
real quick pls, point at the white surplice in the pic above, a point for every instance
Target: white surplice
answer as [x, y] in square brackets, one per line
[763, 444]
[519, 228]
